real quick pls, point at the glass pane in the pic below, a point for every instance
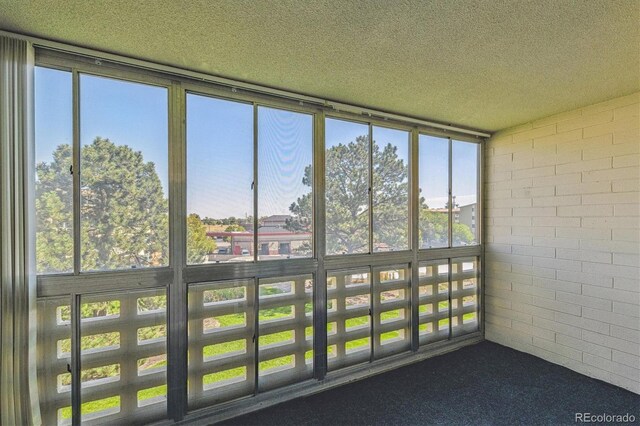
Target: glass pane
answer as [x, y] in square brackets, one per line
[219, 180]
[54, 182]
[349, 319]
[390, 189]
[123, 356]
[392, 313]
[433, 304]
[124, 210]
[465, 193]
[434, 192]
[464, 295]
[285, 179]
[221, 345]
[285, 318]
[54, 357]
[347, 187]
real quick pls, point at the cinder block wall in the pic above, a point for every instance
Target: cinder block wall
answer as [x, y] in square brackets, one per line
[562, 240]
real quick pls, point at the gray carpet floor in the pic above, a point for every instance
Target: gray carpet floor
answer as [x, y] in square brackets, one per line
[482, 384]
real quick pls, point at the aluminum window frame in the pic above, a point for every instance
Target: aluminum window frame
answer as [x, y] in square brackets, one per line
[177, 276]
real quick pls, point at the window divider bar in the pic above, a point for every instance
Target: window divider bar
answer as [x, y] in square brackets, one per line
[320, 243]
[256, 335]
[370, 188]
[76, 353]
[177, 290]
[450, 212]
[255, 183]
[372, 315]
[75, 169]
[414, 215]
[449, 299]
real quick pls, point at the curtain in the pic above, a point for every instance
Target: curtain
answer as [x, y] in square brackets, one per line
[18, 382]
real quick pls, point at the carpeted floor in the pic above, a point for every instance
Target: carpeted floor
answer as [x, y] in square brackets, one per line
[481, 384]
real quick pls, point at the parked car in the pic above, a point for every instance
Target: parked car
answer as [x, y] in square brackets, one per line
[245, 252]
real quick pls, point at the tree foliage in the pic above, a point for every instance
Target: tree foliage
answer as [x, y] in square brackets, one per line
[123, 210]
[347, 201]
[198, 244]
[434, 229]
[347, 197]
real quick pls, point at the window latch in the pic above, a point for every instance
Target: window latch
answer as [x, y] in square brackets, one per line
[71, 169]
[68, 368]
[252, 185]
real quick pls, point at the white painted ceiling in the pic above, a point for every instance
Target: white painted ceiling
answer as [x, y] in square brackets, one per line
[485, 64]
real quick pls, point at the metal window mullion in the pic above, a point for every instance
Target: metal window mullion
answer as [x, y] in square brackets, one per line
[450, 310]
[177, 291]
[75, 164]
[450, 230]
[256, 336]
[480, 235]
[320, 244]
[414, 215]
[75, 360]
[373, 300]
[255, 182]
[370, 188]
[75, 298]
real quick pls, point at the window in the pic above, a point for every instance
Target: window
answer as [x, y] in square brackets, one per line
[54, 183]
[102, 204]
[123, 183]
[347, 187]
[221, 183]
[390, 189]
[434, 192]
[124, 209]
[219, 180]
[348, 318]
[285, 180]
[464, 193]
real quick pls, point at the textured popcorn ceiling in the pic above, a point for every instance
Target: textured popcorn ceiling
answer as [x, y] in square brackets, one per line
[485, 64]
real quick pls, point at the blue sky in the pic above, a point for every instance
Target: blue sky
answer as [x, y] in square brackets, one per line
[220, 143]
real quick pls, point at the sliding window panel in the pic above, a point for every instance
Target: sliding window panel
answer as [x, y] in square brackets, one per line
[285, 329]
[434, 192]
[220, 180]
[123, 357]
[221, 342]
[54, 360]
[433, 302]
[391, 310]
[54, 181]
[124, 209]
[348, 317]
[464, 296]
[390, 189]
[464, 178]
[347, 185]
[285, 180]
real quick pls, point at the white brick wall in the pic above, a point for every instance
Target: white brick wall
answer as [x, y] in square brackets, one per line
[562, 233]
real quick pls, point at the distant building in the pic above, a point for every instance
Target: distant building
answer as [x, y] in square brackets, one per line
[467, 216]
[273, 239]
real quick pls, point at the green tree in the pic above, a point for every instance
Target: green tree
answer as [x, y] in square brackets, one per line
[123, 210]
[234, 228]
[54, 207]
[198, 243]
[347, 197]
[434, 229]
[462, 234]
